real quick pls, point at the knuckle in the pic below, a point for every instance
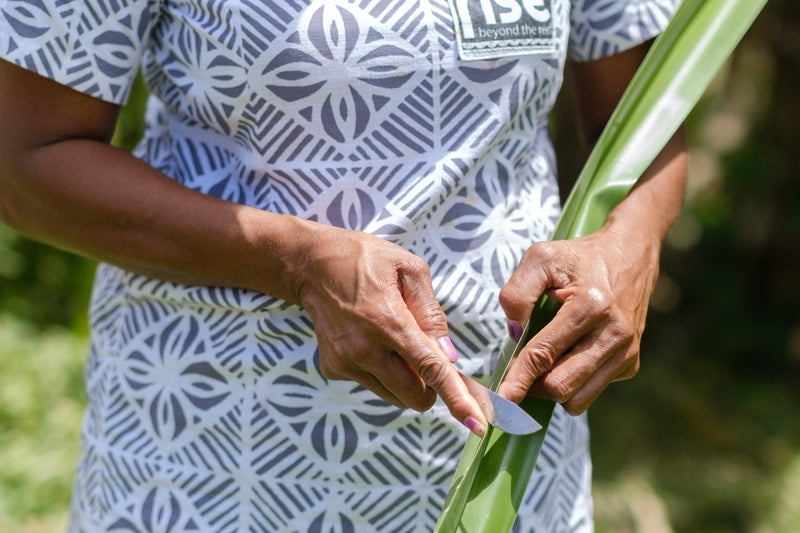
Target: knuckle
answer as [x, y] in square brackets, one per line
[336, 360]
[328, 369]
[533, 368]
[631, 370]
[539, 256]
[628, 374]
[532, 364]
[596, 302]
[574, 408]
[559, 388]
[510, 296]
[632, 355]
[540, 357]
[431, 314]
[416, 266]
[542, 250]
[515, 391]
[623, 329]
[326, 372]
[432, 370]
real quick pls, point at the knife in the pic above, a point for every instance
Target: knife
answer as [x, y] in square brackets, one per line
[503, 414]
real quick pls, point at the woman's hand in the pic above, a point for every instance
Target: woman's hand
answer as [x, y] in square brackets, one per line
[378, 323]
[604, 282]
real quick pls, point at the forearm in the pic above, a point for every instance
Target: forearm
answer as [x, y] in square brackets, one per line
[87, 197]
[645, 216]
[648, 211]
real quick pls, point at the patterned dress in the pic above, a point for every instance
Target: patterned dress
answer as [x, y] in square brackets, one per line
[207, 409]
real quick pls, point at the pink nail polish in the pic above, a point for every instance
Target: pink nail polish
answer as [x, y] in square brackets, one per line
[447, 347]
[514, 330]
[474, 426]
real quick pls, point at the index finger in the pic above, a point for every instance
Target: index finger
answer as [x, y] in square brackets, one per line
[570, 324]
[433, 366]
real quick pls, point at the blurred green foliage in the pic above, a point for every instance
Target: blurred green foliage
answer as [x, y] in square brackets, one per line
[41, 407]
[705, 438]
[40, 284]
[707, 434]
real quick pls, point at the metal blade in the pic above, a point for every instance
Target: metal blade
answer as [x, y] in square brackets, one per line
[503, 414]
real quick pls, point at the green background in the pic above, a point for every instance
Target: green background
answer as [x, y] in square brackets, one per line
[705, 439]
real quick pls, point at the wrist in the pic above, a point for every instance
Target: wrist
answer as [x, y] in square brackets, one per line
[281, 245]
[639, 236]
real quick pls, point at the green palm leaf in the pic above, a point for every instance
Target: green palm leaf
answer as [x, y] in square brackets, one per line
[493, 472]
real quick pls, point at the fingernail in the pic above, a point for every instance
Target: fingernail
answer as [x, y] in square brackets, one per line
[474, 426]
[447, 347]
[514, 330]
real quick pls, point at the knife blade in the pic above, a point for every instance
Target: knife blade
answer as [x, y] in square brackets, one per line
[503, 414]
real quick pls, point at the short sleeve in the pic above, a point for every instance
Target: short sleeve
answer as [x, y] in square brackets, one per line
[93, 46]
[600, 28]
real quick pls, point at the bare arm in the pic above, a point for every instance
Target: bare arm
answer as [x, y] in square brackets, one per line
[604, 280]
[598, 87]
[64, 185]
[61, 183]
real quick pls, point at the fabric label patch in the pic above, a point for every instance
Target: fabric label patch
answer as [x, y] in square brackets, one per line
[488, 29]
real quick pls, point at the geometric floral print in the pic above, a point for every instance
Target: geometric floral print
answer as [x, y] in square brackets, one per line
[207, 407]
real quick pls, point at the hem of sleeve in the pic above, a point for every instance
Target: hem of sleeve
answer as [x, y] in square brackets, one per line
[121, 98]
[635, 28]
[583, 58]
[96, 57]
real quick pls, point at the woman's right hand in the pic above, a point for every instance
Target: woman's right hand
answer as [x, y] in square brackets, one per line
[62, 184]
[378, 323]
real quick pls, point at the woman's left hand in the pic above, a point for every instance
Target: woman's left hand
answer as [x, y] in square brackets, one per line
[604, 281]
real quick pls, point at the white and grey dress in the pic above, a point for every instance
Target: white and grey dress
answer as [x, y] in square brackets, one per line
[207, 409]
